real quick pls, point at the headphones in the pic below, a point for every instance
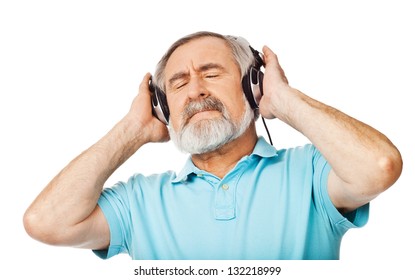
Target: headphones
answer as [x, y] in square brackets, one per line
[251, 85]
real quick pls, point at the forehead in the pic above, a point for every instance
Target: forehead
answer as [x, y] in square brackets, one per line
[197, 52]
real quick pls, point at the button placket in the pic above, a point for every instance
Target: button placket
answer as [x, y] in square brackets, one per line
[225, 201]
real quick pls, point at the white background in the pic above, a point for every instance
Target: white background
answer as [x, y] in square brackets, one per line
[70, 69]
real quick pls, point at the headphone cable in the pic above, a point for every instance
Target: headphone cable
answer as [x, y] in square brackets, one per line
[266, 128]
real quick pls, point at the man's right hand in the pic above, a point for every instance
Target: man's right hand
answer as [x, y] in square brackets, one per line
[140, 116]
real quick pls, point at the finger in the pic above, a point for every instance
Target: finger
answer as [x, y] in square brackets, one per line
[271, 61]
[144, 85]
[143, 96]
[269, 56]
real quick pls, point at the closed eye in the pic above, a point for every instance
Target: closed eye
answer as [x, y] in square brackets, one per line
[179, 85]
[209, 76]
[211, 70]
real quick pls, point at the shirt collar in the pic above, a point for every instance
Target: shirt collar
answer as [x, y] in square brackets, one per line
[188, 169]
[262, 149]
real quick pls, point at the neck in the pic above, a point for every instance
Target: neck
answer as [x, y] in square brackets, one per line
[222, 160]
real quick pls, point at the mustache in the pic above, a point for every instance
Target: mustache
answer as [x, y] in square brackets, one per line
[206, 104]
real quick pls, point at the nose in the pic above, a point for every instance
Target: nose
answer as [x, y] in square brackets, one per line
[196, 88]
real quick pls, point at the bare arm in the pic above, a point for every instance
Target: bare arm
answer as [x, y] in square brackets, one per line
[66, 211]
[364, 162]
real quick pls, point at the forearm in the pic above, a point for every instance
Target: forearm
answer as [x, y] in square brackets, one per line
[364, 162]
[73, 194]
[360, 155]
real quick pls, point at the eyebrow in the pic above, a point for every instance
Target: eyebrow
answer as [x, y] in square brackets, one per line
[202, 68]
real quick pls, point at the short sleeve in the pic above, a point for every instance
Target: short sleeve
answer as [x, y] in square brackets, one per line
[340, 223]
[115, 210]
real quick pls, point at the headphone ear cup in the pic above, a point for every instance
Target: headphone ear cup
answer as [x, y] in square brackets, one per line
[159, 104]
[252, 86]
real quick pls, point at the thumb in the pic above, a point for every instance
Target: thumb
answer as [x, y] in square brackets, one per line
[271, 62]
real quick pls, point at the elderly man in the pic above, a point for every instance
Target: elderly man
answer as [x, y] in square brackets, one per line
[237, 197]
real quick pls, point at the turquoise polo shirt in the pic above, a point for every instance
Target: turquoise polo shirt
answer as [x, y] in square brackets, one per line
[271, 205]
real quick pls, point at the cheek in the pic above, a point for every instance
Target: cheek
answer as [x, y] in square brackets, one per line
[175, 109]
[236, 106]
[236, 99]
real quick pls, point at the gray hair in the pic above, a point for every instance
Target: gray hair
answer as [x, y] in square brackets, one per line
[241, 52]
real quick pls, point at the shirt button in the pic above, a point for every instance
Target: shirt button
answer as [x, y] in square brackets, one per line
[225, 187]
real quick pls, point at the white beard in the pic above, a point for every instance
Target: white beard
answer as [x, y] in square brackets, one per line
[208, 135]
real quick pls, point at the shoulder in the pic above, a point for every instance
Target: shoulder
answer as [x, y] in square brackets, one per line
[140, 183]
[307, 151]
[156, 178]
